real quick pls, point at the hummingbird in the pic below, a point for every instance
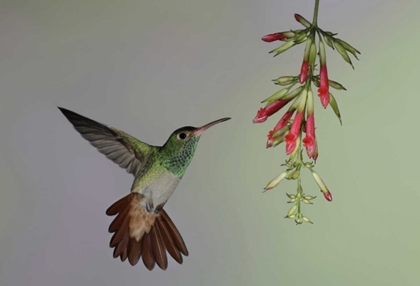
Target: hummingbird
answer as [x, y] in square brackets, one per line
[141, 227]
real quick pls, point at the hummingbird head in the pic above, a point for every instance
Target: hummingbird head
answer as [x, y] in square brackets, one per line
[180, 147]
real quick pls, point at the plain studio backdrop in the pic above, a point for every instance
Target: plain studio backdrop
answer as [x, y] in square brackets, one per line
[149, 67]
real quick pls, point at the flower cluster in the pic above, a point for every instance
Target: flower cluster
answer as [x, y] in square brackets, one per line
[299, 132]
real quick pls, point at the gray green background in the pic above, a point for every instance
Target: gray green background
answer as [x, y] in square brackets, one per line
[149, 67]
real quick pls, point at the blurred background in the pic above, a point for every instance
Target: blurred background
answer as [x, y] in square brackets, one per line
[149, 67]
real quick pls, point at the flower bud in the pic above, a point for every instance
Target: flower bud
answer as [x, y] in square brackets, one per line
[331, 34]
[274, 182]
[277, 141]
[328, 41]
[309, 197]
[294, 175]
[342, 51]
[285, 80]
[328, 196]
[334, 106]
[322, 185]
[336, 85]
[307, 201]
[278, 36]
[291, 196]
[348, 47]
[283, 48]
[306, 219]
[276, 96]
[302, 20]
[292, 211]
[294, 93]
[275, 137]
[280, 132]
[309, 165]
[300, 38]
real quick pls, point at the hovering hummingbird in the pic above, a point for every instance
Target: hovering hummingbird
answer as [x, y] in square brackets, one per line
[142, 228]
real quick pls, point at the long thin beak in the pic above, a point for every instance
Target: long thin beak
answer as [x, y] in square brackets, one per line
[208, 125]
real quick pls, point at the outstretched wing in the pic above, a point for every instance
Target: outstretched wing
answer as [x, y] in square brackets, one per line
[125, 150]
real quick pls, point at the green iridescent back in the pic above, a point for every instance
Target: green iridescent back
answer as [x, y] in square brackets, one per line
[176, 154]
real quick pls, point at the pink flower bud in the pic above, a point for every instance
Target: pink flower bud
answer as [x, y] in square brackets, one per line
[328, 196]
[302, 20]
[322, 186]
[274, 37]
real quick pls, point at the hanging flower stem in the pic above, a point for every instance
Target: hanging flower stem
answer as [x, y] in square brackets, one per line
[299, 132]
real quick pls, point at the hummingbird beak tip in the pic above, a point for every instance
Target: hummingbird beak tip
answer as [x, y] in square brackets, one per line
[208, 125]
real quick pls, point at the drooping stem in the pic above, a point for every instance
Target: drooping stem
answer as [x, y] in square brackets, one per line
[315, 20]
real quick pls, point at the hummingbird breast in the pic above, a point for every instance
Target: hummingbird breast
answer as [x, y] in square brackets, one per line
[157, 185]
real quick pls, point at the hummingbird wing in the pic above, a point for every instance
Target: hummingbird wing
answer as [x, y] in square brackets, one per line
[125, 150]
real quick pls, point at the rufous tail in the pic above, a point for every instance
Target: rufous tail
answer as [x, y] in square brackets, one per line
[139, 233]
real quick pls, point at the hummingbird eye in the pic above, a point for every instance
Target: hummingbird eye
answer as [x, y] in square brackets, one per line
[182, 136]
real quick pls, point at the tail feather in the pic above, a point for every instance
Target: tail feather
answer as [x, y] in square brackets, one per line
[147, 255]
[139, 233]
[123, 255]
[158, 248]
[177, 238]
[134, 251]
[169, 244]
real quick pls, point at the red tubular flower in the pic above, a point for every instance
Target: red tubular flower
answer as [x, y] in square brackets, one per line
[274, 37]
[305, 63]
[310, 141]
[293, 134]
[270, 139]
[304, 71]
[323, 91]
[283, 121]
[269, 110]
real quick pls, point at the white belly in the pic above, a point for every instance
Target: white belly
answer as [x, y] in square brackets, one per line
[160, 190]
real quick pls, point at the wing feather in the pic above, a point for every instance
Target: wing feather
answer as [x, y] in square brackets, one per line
[121, 148]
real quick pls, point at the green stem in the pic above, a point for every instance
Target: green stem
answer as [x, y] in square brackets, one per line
[315, 20]
[298, 197]
[299, 163]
